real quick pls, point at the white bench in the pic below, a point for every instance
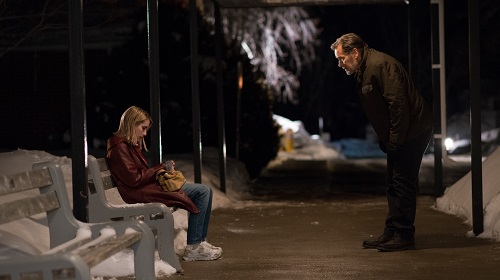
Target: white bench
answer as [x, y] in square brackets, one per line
[76, 247]
[157, 215]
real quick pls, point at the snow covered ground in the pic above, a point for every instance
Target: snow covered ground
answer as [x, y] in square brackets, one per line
[19, 238]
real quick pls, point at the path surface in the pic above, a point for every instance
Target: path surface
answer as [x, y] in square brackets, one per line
[300, 225]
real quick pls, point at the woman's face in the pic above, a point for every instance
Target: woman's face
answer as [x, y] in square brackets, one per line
[142, 129]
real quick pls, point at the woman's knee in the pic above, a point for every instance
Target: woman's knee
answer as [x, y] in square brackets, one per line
[207, 190]
[204, 190]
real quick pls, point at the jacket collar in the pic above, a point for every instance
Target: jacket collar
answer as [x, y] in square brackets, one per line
[362, 65]
[115, 140]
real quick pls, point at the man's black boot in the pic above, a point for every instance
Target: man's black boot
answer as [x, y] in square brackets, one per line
[373, 244]
[397, 243]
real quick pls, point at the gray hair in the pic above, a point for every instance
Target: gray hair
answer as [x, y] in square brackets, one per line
[349, 42]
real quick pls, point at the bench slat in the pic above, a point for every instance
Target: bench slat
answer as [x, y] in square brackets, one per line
[26, 207]
[107, 181]
[24, 181]
[69, 246]
[103, 165]
[96, 254]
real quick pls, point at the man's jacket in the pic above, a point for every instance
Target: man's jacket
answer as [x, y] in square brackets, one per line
[392, 103]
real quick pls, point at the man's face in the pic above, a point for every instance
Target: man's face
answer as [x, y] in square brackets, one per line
[348, 62]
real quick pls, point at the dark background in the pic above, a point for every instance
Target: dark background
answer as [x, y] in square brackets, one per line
[329, 93]
[35, 98]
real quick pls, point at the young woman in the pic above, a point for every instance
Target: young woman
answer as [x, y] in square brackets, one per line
[137, 183]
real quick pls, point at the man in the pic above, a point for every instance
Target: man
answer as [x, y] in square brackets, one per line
[403, 123]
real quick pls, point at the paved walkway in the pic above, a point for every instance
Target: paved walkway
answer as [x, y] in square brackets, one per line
[300, 225]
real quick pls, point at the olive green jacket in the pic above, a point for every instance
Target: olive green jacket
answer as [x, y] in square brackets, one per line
[392, 103]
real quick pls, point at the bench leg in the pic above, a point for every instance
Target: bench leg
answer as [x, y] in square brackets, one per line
[144, 260]
[165, 242]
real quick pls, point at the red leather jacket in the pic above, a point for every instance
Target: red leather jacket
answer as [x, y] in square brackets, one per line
[136, 182]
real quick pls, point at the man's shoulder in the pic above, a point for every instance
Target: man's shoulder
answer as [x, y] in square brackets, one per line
[380, 57]
[377, 59]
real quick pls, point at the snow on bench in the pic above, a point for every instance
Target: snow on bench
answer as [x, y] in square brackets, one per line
[76, 247]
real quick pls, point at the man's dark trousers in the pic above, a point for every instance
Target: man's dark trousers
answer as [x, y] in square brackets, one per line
[402, 186]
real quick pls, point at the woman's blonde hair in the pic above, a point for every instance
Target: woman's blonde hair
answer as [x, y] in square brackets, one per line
[131, 118]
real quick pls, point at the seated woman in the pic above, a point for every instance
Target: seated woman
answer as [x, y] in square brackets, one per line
[136, 182]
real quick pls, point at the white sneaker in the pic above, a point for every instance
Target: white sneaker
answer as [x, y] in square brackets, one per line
[208, 245]
[198, 252]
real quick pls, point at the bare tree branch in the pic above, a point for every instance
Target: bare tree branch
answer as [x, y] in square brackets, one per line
[279, 41]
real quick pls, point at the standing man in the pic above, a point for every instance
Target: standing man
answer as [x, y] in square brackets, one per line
[403, 123]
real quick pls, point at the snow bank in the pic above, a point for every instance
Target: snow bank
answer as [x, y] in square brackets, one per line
[457, 199]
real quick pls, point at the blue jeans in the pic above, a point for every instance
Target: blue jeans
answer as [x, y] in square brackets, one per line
[201, 196]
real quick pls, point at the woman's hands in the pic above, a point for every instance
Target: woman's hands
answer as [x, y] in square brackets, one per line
[169, 166]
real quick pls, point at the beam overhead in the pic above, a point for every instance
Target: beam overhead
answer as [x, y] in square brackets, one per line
[280, 3]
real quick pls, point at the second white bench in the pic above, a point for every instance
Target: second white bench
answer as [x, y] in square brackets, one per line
[157, 215]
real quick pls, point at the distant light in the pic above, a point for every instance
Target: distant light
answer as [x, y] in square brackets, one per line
[448, 143]
[247, 50]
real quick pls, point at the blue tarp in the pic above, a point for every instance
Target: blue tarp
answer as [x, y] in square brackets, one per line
[357, 148]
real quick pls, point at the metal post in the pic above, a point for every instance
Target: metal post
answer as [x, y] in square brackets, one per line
[475, 118]
[78, 117]
[238, 109]
[195, 91]
[439, 89]
[154, 81]
[219, 40]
